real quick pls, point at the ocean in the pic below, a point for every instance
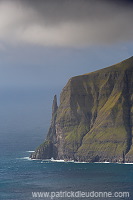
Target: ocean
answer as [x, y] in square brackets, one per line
[24, 179]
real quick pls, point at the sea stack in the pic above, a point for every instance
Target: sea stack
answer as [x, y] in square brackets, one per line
[94, 121]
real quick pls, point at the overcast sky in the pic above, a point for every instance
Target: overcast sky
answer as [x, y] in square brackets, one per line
[65, 23]
[45, 42]
[68, 37]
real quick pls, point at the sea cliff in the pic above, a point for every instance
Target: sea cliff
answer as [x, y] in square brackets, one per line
[94, 121]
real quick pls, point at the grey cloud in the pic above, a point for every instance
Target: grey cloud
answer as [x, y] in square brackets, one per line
[72, 23]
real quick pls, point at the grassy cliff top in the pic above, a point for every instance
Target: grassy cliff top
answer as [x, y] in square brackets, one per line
[125, 64]
[122, 66]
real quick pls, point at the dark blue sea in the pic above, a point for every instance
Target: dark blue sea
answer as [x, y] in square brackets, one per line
[21, 177]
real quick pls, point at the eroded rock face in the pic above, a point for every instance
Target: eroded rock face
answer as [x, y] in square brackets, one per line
[48, 148]
[94, 121]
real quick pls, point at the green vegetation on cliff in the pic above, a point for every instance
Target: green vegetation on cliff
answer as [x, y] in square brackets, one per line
[95, 117]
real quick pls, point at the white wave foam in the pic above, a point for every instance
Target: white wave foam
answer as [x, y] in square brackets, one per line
[76, 162]
[103, 162]
[57, 161]
[24, 158]
[128, 163]
[30, 151]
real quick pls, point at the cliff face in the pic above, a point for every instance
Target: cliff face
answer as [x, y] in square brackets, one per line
[94, 121]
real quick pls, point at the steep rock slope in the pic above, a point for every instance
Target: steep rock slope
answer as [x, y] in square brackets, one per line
[94, 121]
